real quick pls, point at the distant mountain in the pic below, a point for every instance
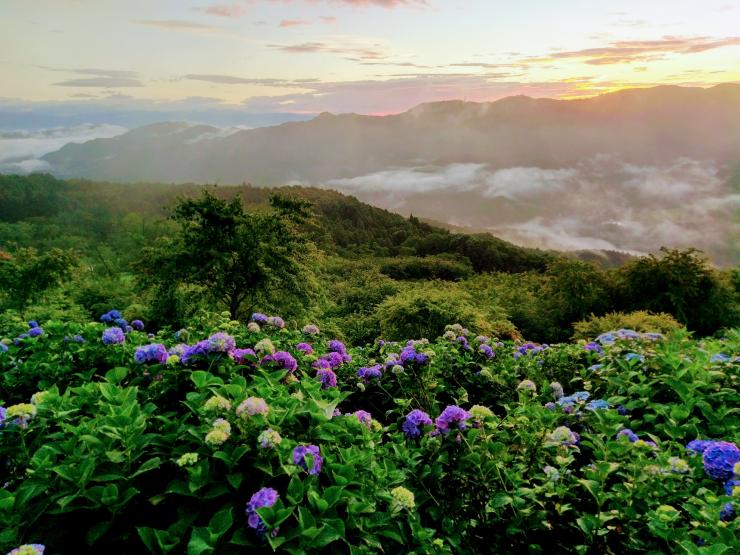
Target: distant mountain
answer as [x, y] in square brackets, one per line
[628, 171]
[643, 126]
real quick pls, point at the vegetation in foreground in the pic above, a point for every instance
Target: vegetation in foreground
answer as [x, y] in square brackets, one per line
[222, 437]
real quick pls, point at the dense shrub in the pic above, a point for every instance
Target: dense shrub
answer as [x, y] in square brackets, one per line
[235, 442]
[640, 320]
[429, 267]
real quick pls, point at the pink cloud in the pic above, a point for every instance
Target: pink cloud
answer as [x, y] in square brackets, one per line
[293, 22]
[328, 19]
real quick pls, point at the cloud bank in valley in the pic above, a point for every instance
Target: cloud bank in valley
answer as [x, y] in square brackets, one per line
[20, 151]
[601, 203]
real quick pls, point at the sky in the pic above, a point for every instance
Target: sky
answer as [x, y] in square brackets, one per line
[291, 58]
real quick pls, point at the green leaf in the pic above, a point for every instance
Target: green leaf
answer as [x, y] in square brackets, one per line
[221, 521]
[501, 500]
[294, 493]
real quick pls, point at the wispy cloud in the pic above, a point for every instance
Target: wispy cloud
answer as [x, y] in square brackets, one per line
[234, 80]
[328, 19]
[175, 24]
[102, 78]
[227, 10]
[293, 22]
[369, 52]
[627, 51]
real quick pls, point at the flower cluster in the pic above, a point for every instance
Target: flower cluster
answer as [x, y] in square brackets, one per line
[240, 355]
[414, 421]
[252, 406]
[281, 359]
[527, 386]
[219, 433]
[154, 352]
[269, 439]
[327, 377]
[364, 417]
[302, 454]
[311, 329]
[217, 403]
[410, 356]
[305, 348]
[402, 498]
[452, 417]
[368, 373]
[28, 549]
[562, 435]
[113, 336]
[265, 497]
[187, 459]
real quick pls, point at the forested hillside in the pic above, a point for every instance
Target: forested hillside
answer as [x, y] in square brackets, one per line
[361, 271]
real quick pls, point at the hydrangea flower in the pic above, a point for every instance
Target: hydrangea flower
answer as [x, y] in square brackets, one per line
[527, 386]
[363, 417]
[28, 549]
[719, 357]
[113, 336]
[187, 459]
[597, 404]
[452, 417]
[480, 413]
[557, 390]
[629, 357]
[563, 435]
[3, 415]
[727, 513]
[368, 373]
[154, 352]
[462, 340]
[629, 434]
[264, 346]
[253, 327]
[321, 364]
[552, 473]
[487, 351]
[3, 347]
[36, 332]
[327, 378]
[678, 466]
[220, 432]
[39, 397]
[110, 316]
[311, 329]
[265, 497]
[402, 498]
[251, 407]
[698, 446]
[33, 324]
[595, 367]
[409, 355]
[299, 458]
[138, 325]
[594, 347]
[217, 403]
[276, 322]
[305, 348]
[259, 318]
[732, 487]
[283, 360]
[334, 359]
[414, 420]
[221, 343]
[200, 349]
[240, 355]
[269, 439]
[719, 460]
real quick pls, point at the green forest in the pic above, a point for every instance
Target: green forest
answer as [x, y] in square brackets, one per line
[166, 253]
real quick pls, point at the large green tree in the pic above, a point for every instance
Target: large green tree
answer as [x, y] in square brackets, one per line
[237, 258]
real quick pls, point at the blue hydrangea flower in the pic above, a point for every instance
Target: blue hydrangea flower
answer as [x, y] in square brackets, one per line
[727, 513]
[597, 404]
[265, 497]
[221, 343]
[138, 325]
[622, 410]
[594, 347]
[629, 434]
[35, 332]
[113, 336]
[155, 352]
[368, 373]
[719, 357]
[719, 460]
[299, 458]
[3, 347]
[595, 367]
[414, 420]
[33, 324]
[629, 357]
[698, 446]
[110, 316]
[452, 417]
[259, 318]
[730, 486]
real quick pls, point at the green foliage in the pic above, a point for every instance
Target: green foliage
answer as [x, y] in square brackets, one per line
[429, 267]
[26, 274]
[640, 320]
[113, 455]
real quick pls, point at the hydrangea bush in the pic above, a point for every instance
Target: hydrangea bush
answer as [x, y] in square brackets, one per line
[226, 438]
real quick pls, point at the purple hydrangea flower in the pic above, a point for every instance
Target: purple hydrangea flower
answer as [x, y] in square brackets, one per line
[452, 416]
[321, 364]
[464, 342]
[368, 373]
[719, 460]
[337, 346]
[282, 359]
[594, 347]
[221, 343]
[334, 359]
[305, 348]
[622, 410]
[276, 321]
[138, 325]
[327, 378]
[259, 318]
[200, 349]
[3, 410]
[113, 336]
[156, 352]
[240, 355]
[364, 417]
[299, 458]
[265, 497]
[414, 420]
[410, 356]
[487, 351]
